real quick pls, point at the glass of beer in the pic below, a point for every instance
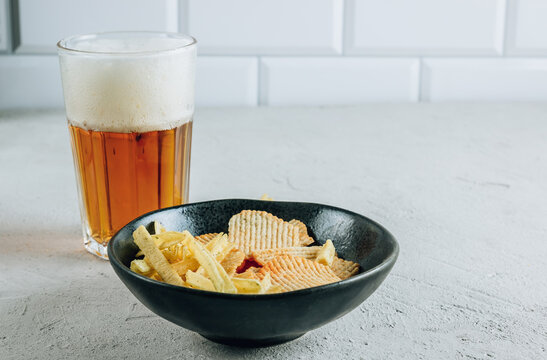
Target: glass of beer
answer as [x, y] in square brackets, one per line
[129, 99]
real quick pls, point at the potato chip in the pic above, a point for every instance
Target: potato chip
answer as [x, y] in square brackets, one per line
[219, 246]
[188, 263]
[295, 273]
[232, 261]
[156, 276]
[145, 242]
[305, 239]
[326, 255]
[265, 197]
[266, 255]
[168, 239]
[158, 228]
[252, 286]
[141, 267]
[198, 281]
[250, 273]
[252, 230]
[205, 238]
[215, 271]
[344, 268]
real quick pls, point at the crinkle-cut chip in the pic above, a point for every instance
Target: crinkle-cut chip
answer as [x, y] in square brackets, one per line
[305, 238]
[252, 230]
[250, 273]
[232, 261]
[205, 238]
[295, 273]
[266, 255]
[344, 268]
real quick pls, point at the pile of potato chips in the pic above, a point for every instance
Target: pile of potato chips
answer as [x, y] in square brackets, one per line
[261, 254]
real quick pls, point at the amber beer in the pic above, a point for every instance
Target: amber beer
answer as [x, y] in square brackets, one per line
[129, 99]
[124, 175]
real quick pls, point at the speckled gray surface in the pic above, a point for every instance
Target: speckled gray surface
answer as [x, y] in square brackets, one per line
[462, 187]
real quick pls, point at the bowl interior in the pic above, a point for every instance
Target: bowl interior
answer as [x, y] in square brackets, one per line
[355, 237]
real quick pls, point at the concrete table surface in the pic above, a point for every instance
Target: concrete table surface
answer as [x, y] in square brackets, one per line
[462, 187]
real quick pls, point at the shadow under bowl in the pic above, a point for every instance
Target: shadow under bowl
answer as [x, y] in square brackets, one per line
[260, 320]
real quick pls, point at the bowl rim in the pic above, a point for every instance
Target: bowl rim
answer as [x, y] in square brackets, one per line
[386, 263]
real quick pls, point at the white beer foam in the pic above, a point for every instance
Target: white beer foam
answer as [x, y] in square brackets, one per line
[129, 92]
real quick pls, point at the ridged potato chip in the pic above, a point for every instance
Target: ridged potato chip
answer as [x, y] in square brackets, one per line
[294, 273]
[252, 230]
[266, 255]
[344, 268]
[205, 238]
[305, 238]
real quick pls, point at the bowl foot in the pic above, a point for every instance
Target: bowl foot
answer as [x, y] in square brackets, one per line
[252, 342]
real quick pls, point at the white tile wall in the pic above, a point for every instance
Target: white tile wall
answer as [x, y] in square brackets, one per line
[4, 27]
[266, 26]
[43, 23]
[226, 81]
[313, 52]
[30, 81]
[332, 81]
[527, 27]
[424, 27]
[484, 80]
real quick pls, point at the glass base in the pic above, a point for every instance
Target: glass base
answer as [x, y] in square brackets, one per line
[94, 247]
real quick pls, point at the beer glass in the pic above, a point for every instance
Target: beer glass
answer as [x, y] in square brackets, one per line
[129, 99]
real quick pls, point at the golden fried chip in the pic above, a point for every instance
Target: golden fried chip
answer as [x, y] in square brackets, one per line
[205, 238]
[215, 271]
[219, 246]
[145, 242]
[156, 276]
[198, 281]
[265, 197]
[232, 261]
[168, 239]
[183, 266]
[327, 253]
[266, 255]
[158, 228]
[250, 273]
[344, 268]
[305, 239]
[294, 273]
[252, 286]
[252, 230]
[141, 267]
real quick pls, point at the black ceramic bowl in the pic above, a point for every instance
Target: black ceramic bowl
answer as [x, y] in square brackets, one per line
[259, 320]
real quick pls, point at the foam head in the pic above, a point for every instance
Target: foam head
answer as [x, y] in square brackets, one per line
[128, 82]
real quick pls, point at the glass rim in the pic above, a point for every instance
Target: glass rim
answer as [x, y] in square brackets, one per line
[62, 45]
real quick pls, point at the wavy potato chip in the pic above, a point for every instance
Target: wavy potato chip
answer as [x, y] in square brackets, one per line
[252, 230]
[205, 238]
[305, 239]
[344, 268]
[294, 273]
[266, 255]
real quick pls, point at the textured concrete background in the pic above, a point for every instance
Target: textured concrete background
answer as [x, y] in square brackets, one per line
[462, 187]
